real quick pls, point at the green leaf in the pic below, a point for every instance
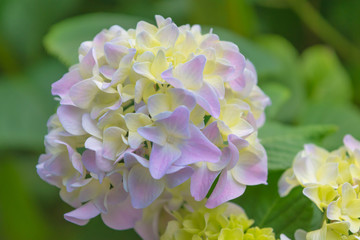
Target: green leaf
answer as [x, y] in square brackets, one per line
[345, 116]
[64, 38]
[288, 75]
[27, 104]
[284, 215]
[282, 142]
[20, 215]
[24, 23]
[279, 95]
[326, 79]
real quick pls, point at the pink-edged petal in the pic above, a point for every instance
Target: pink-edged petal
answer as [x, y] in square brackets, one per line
[191, 73]
[122, 71]
[75, 158]
[179, 177]
[88, 64]
[351, 143]
[113, 142]
[62, 87]
[143, 189]
[83, 93]
[153, 134]
[209, 41]
[201, 182]
[167, 75]
[206, 97]
[114, 53]
[121, 156]
[168, 35]
[89, 125]
[143, 69]
[121, 216]
[161, 158]
[212, 133]
[82, 214]
[182, 97]
[251, 168]
[158, 103]
[198, 149]
[107, 71]
[70, 117]
[93, 143]
[131, 159]
[177, 123]
[89, 161]
[226, 189]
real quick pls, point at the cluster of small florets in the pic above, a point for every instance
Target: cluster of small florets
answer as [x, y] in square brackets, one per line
[227, 221]
[146, 110]
[331, 181]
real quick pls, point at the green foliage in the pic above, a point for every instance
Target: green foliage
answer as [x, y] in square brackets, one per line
[17, 206]
[279, 95]
[64, 38]
[284, 215]
[287, 75]
[325, 78]
[26, 99]
[283, 142]
[311, 89]
[346, 117]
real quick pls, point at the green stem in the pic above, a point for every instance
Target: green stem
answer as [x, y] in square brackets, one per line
[324, 30]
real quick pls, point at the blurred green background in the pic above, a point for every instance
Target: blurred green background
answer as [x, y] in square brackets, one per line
[307, 54]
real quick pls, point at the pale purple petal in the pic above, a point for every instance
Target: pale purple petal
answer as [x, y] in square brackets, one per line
[62, 87]
[168, 35]
[182, 97]
[167, 75]
[89, 161]
[161, 158]
[113, 142]
[191, 73]
[107, 71]
[153, 134]
[70, 118]
[122, 216]
[351, 143]
[143, 189]
[179, 177]
[87, 64]
[75, 158]
[198, 149]
[251, 168]
[83, 93]
[82, 214]
[114, 53]
[206, 97]
[89, 125]
[177, 123]
[212, 132]
[131, 159]
[226, 189]
[201, 182]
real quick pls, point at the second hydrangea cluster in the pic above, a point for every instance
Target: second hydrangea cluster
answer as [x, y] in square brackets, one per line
[331, 181]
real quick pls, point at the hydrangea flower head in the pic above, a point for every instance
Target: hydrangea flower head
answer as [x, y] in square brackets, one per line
[148, 109]
[331, 181]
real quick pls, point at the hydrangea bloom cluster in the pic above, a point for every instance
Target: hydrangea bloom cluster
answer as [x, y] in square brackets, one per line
[227, 221]
[331, 181]
[146, 110]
